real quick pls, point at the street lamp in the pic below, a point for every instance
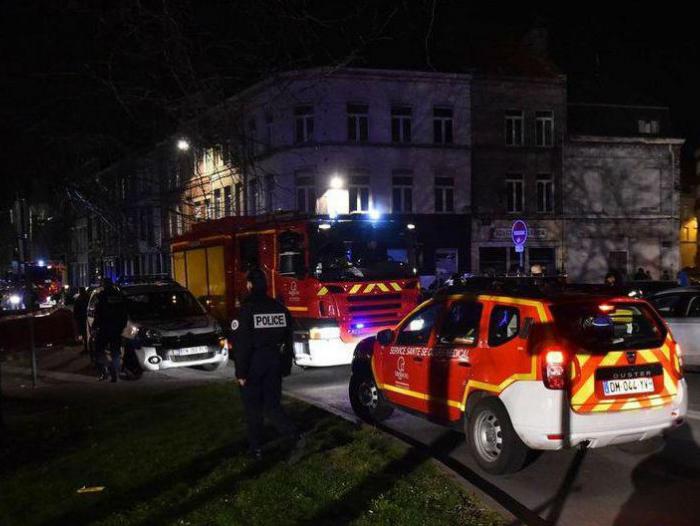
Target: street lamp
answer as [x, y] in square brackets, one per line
[183, 145]
[336, 182]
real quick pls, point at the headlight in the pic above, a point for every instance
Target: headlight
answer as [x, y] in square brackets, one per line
[324, 333]
[15, 299]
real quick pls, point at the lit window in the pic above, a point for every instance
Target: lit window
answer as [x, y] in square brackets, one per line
[359, 194]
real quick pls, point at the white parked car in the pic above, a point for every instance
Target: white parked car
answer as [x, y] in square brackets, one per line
[680, 307]
[167, 327]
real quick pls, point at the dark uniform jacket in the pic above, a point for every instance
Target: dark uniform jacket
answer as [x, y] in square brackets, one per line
[110, 313]
[263, 336]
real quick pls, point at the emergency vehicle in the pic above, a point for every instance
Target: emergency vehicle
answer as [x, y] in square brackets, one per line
[526, 370]
[342, 279]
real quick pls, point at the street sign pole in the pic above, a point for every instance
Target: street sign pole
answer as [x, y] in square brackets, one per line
[518, 234]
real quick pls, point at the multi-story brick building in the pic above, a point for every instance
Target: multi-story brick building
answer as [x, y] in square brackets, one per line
[519, 130]
[350, 141]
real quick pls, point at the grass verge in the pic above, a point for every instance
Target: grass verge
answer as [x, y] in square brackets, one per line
[179, 457]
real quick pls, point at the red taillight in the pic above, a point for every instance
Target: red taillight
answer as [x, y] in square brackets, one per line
[554, 370]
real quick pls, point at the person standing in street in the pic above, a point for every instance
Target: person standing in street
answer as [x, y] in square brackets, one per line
[263, 352]
[80, 315]
[108, 324]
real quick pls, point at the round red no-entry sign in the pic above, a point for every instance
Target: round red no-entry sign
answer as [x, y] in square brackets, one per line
[519, 232]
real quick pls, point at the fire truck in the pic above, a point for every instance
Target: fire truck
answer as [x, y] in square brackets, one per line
[342, 279]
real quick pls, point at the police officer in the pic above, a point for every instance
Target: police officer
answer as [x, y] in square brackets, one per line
[262, 351]
[108, 324]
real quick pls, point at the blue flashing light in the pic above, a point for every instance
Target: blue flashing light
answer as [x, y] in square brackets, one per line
[41, 263]
[375, 215]
[359, 325]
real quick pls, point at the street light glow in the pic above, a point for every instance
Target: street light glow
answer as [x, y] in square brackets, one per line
[411, 226]
[183, 145]
[336, 182]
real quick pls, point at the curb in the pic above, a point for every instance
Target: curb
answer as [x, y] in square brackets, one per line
[55, 375]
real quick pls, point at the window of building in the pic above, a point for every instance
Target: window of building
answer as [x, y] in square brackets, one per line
[217, 203]
[514, 128]
[254, 195]
[545, 193]
[359, 193]
[304, 124]
[305, 191]
[402, 192]
[442, 125]
[358, 122]
[227, 201]
[212, 158]
[444, 194]
[492, 260]
[238, 196]
[401, 124]
[648, 127]
[544, 128]
[514, 193]
[545, 257]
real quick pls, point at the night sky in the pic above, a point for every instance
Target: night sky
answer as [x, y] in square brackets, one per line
[85, 85]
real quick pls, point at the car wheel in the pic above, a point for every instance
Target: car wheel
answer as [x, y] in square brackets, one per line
[366, 399]
[131, 364]
[493, 442]
[213, 366]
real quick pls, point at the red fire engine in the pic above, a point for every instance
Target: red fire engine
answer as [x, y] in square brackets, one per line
[342, 279]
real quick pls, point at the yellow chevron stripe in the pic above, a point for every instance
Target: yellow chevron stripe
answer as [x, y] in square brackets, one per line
[631, 404]
[395, 286]
[584, 392]
[587, 389]
[369, 288]
[666, 351]
[669, 384]
[355, 288]
[323, 291]
[383, 287]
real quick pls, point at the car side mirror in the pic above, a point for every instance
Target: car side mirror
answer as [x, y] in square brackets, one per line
[385, 337]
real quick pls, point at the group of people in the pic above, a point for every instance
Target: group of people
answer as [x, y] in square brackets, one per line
[109, 320]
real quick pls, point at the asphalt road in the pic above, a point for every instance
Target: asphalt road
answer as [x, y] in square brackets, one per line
[616, 485]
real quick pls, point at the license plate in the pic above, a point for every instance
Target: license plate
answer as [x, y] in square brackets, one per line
[631, 386]
[187, 351]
